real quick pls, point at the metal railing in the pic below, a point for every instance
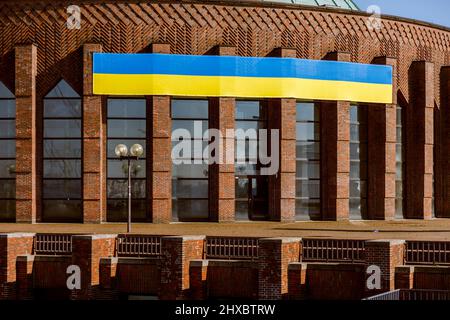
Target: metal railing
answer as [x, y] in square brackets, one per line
[53, 244]
[386, 296]
[138, 246]
[427, 252]
[333, 250]
[230, 248]
[411, 295]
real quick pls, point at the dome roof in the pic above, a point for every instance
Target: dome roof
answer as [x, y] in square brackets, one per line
[341, 4]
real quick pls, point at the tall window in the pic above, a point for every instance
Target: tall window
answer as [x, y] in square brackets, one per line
[62, 180]
[7, 155]
[308, 162]
[126, 125]
[251, 187]
[358, 162]
[190, 178]
[399, 150]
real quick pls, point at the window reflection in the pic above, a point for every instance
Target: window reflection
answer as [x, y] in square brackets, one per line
[7, 155]
[62, 151]
[127, 125]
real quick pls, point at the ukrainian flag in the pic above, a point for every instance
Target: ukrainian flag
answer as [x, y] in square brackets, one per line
[243, 77]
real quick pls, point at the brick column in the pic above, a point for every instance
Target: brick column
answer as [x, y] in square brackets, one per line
[282, 116]
[12, 245]
[419, 141]
[108, 272]
[94, 146]
[297, 281]
[198, 272]
[177, 252]
[24, 277]
[381, 153]
[442, 173]
[159, 161]
[221, 176]
[87, 251]
[27, 184]
[404, 277]
[275, 255]
[387, 255]
[335, 151]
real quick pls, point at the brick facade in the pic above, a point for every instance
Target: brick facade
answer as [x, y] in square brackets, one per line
[420, 52]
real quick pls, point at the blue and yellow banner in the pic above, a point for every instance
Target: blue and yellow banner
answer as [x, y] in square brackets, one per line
[242, 77]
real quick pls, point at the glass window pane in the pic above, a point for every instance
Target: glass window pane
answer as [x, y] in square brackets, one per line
[307, 131]
[250, 125]
[63, 108]
[308, 169]
[190, 109]
[191, 149]
[7, 210]
[186, 210]
[62, 169]
[358, 151]
[62, 148]
[118, 211]
[126, 128]
[248, 110]
[358, 170]
[308, 150]
[308, 189]
[196, 128]
[7, 148]
[307, 209]
[190, 188]
[307, 112]
[62, 90]
[5, 92]
[241, 209]
[62, 210]
[241, 186]
[7, 168]
[358, 189]
[242, 169]
[62, 189]
[118, 189]
[62, 129]
[7, 189]
[127, 108]
[7, 109]
[8, 128]
[119, 169]
[190, 171]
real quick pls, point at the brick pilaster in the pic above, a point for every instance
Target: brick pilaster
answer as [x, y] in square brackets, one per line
[404, 277]
[108, 278]
[442, 172]
[176, 254]
[282, 117]
[87, 251]
[420, 141]
[159, 161]
[297, 281]
[381, 153]
[275, 255]
[12, 245]
[198, 272]
[27, 180]
[24, 277]
[221, 176]
[94, 146]
[387, 255]
[335, 151]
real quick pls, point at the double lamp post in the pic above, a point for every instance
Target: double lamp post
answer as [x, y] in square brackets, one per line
[136, 152]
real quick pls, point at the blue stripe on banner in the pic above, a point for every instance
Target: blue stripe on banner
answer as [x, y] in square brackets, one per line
[228, 66]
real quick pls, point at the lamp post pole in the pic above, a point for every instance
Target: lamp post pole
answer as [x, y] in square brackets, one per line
[136, 151]
[129, 196]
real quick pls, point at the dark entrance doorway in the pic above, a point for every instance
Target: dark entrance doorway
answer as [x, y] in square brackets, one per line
[251, 198]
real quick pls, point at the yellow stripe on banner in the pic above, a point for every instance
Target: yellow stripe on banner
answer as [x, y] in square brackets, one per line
[243, 87]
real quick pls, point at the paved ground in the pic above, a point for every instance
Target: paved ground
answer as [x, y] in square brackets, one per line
[407, 230]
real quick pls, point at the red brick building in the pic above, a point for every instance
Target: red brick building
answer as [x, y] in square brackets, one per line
[338, 160]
